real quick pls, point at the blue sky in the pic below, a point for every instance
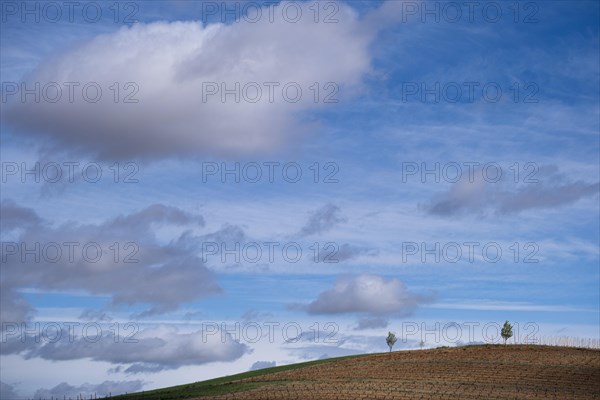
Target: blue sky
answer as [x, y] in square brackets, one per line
[424, 134]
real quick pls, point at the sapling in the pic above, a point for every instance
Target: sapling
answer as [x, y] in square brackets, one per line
[506, 332]
[391, 340]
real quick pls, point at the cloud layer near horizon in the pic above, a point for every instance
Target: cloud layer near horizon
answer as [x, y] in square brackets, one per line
[130, 350]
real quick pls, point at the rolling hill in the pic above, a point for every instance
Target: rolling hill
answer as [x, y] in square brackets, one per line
[470, 372]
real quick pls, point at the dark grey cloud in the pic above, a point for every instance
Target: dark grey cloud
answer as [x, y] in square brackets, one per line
[322, 220]
[158, 214]
[371, 323]
[545, 196]
[228, 234]
[13, 307]
[367, 294]
[103, 389]
[262, 364]
[334, 253]
[143, 368]
[145, 351]
[13, 216]
[255, 315]
[321, 352]
[479, 196]
[329, 334]
[8, 392]
[348, 251]
[161, 276]
[95, 315]
[193, 315]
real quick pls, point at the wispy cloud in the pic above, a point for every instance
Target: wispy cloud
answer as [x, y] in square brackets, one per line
[486, 305]
[322, 220]
[480, 195]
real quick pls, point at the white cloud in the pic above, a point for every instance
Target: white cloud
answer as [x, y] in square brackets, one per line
[370, 294]
[170, 61]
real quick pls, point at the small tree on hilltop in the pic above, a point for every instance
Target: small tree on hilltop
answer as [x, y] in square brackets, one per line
[391, 340]
[506, 332]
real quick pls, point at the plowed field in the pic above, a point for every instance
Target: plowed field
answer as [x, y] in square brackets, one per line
[473, 372]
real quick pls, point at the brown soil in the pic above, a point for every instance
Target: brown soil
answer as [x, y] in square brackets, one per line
[472, 372]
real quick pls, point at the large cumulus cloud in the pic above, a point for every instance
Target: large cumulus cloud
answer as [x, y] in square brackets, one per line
[171, 62]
